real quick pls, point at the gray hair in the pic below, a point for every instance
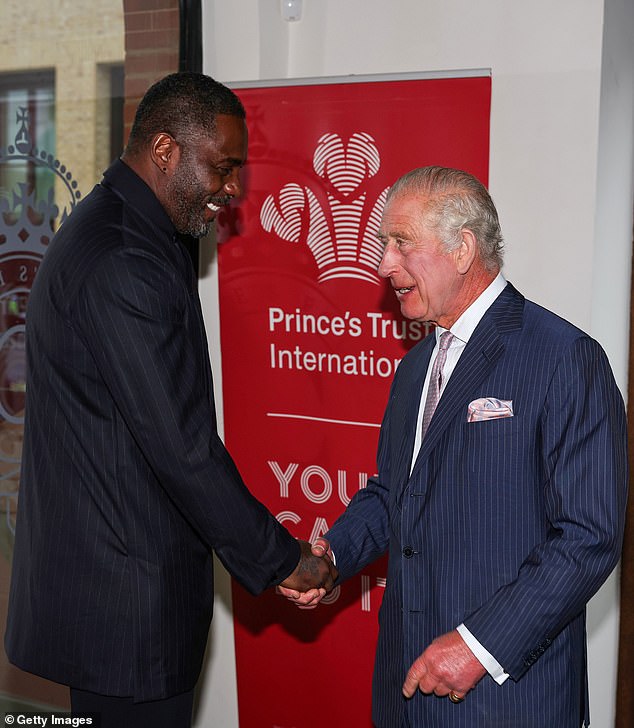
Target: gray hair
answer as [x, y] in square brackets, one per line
[453, 200]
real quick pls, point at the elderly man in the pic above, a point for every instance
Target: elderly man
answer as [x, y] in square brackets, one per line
[126, 488]
[501, 483]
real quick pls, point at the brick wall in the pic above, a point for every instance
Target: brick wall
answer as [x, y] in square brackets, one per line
[152, 35]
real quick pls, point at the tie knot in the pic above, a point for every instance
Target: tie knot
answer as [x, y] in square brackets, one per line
[445, 340]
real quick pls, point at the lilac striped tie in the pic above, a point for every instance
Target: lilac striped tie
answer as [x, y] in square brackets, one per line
[435, 381]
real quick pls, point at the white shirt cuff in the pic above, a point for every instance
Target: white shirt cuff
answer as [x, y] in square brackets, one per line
[489, 663]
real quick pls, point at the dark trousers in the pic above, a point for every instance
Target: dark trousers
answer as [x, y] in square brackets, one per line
[174, 712]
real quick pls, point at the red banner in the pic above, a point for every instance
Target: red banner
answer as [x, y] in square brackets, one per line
[310, 341]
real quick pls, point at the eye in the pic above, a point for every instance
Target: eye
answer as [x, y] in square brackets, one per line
[224, 171]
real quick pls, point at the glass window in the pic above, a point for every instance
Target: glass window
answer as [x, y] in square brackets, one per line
[27, 121]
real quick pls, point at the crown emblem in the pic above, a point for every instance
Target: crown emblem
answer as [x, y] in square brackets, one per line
[27, 223]
[338, 223]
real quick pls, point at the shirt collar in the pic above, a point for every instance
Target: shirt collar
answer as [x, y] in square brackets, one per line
[464, 327]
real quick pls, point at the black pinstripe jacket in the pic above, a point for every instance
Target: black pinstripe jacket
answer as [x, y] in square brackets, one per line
[126, 487]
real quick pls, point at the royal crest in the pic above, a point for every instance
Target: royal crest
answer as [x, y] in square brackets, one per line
[28, 221]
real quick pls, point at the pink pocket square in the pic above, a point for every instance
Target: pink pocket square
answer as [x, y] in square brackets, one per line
[489, 408]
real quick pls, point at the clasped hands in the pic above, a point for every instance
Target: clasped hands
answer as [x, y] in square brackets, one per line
[314, 574]
[447, 667]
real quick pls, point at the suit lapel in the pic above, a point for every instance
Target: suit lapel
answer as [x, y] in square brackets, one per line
[411, 401]
[483, 350]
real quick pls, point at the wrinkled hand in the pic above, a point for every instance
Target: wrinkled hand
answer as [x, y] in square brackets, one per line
[315, 572]
[447, 665]
[310, 598]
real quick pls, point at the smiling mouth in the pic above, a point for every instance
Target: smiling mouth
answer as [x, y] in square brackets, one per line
[404, 289]
[217, 203]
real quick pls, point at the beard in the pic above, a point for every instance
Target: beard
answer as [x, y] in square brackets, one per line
[186, 198]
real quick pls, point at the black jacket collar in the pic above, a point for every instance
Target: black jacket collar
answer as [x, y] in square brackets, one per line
[124, 182]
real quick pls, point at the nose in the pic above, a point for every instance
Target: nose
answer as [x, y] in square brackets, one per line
[389, 262]
[233, 185]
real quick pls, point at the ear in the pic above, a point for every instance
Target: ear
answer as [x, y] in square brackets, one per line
[466, 252]
[164, 151]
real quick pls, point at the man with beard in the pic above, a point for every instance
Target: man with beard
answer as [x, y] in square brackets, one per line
[126, 487]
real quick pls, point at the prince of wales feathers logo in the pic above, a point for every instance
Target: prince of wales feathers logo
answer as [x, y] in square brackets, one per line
[341, 234]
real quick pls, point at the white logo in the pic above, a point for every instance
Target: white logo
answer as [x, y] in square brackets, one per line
[339, 225]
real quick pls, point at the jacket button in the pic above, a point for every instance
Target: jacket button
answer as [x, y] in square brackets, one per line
[408, 552]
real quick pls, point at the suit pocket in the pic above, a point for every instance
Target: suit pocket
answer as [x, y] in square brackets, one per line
[497, 450]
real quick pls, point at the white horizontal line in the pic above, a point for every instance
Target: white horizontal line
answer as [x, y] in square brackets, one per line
[363, 78]
[321, 419]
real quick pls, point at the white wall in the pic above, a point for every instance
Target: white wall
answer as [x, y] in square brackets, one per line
[561, 174]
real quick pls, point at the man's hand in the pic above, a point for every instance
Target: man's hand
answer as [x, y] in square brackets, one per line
[310, 598]
[315, 572]
[446, 666]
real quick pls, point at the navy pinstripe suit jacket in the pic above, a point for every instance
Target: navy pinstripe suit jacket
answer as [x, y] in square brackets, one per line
[126, 487]
[508, 525]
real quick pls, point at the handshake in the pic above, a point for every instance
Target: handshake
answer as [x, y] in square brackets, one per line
[314, 575]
